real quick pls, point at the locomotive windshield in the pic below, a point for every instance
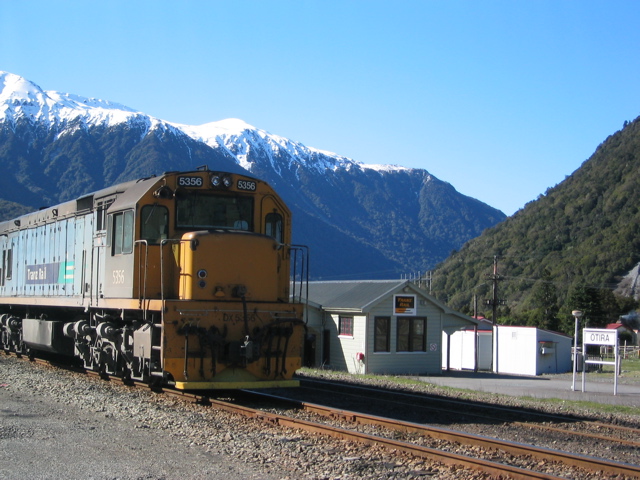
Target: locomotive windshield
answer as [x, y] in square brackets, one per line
[196, 210]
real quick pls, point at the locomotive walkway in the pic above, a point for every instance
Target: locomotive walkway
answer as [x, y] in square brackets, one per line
[598, 389]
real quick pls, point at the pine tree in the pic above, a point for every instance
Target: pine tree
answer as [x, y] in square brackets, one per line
[545, 303]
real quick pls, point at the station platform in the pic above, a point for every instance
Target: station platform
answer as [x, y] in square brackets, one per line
[599, 388]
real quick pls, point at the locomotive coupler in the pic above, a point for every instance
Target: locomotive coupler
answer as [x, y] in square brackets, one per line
[246, 350]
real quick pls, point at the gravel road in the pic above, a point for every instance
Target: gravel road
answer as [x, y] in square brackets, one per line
[60, 425]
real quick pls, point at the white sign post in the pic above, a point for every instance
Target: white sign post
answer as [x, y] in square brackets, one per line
[599, 336]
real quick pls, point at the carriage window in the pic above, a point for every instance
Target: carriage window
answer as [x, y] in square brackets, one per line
[8, 266]
[3, 273]
[273, 226]
[100, 214]
[122, 233]
[197, 211]
[154, 223]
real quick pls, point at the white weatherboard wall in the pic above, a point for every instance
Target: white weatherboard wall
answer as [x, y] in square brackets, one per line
[462, 350]
[344, 357]
[556, 359]
[530, 351]
[406, 363]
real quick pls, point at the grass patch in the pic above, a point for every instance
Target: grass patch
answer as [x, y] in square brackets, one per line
[631, 367]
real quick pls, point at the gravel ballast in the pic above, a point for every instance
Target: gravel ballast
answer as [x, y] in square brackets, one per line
[60, 424]
[57, 424]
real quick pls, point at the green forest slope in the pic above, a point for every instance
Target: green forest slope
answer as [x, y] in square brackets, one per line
[566, 250]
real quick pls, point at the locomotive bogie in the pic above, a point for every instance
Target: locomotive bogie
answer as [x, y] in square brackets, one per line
[180, 279]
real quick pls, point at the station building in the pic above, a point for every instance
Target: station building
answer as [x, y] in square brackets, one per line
[378, 327]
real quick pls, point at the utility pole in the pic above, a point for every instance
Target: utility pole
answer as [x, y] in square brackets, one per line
[494, 301]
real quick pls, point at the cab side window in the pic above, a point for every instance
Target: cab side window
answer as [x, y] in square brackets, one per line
[122, 234]
[154, 223]
[273, 226]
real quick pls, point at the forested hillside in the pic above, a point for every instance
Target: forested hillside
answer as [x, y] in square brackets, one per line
[566, 250]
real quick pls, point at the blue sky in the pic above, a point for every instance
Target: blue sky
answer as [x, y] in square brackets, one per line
[502, 99]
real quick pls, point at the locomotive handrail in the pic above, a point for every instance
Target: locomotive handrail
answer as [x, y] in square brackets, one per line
[142, 291]
[304, 275]
[162, 244]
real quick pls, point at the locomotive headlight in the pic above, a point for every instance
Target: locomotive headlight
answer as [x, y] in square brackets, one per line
[217, 181]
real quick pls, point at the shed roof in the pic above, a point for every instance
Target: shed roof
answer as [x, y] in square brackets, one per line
[350, 294]
[617, 326]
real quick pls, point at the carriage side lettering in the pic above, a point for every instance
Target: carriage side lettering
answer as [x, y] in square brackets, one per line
[118, 277]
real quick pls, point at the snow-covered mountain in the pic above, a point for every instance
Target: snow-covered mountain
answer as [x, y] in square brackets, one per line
[24, 100]
[361, 221]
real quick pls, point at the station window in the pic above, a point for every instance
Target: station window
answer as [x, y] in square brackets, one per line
[382, 334]
[122, 233]
[154, 223]
[345, 327]
[412, 334]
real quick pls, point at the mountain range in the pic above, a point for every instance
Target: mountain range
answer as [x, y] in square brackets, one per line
[360, 221]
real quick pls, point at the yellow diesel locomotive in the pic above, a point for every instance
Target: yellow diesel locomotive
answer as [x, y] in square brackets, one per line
[183, 279]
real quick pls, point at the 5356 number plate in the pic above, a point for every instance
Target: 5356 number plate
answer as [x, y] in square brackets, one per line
[247, 185]
[189, 181]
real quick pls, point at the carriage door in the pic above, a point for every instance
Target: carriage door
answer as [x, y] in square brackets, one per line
[99, 247]
[274, 220]
[119, 268]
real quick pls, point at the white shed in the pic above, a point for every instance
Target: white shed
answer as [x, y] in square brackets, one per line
[468, 349]
[378, 326]
[530, 351]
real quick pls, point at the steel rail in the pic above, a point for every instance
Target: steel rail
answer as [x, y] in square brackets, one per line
[543, 454]
[603, 438]
[592, 423]
[447, 458]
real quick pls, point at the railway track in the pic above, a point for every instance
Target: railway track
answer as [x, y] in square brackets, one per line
[522, 453]
[493, 457]
[451, 411]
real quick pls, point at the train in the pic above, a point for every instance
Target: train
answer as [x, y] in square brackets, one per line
[185, 279]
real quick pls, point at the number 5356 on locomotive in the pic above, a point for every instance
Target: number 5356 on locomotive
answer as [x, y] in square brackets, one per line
[181, 279]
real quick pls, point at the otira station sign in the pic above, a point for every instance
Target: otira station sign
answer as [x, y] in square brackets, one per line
[604, 338]
[593, 336]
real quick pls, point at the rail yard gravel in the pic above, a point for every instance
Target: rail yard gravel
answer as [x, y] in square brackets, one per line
[60, 424]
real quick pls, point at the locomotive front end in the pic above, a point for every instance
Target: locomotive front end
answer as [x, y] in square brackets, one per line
[228, 321]
[227, 328]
